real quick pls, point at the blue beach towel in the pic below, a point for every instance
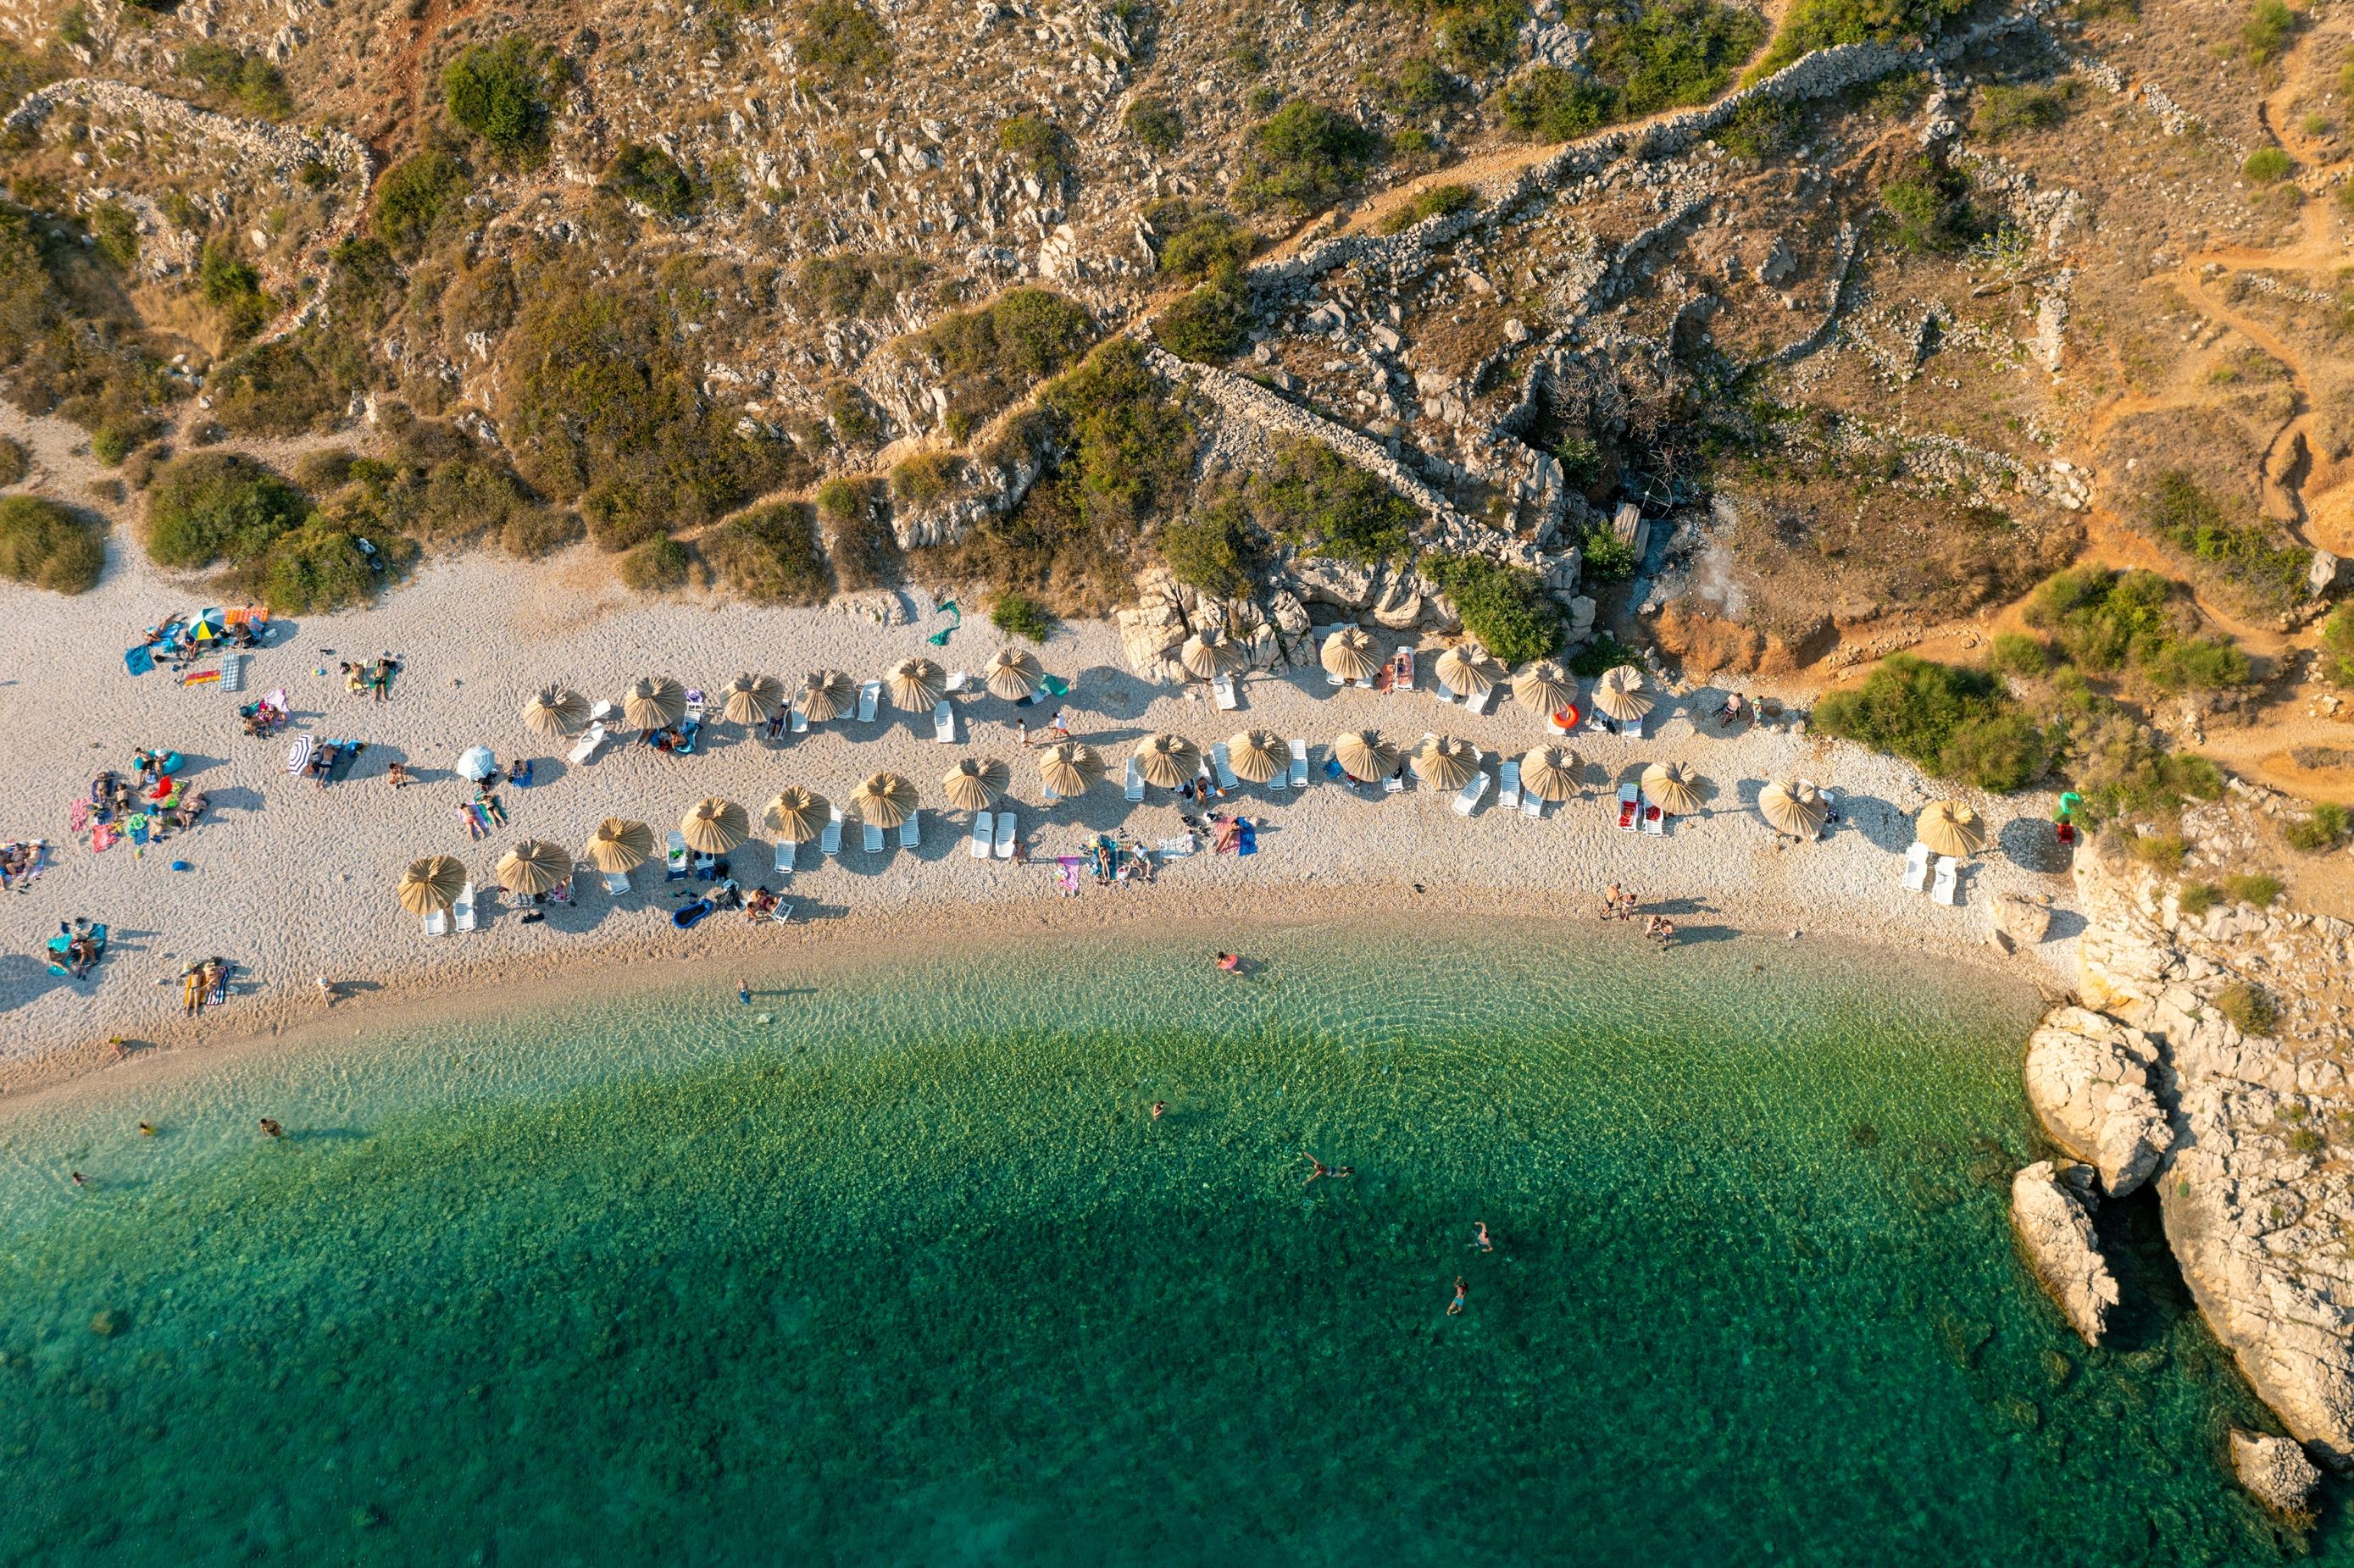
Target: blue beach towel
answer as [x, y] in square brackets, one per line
[138, 660]
[1246, 838]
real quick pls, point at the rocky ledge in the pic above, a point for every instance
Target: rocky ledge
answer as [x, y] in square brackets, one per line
[2276, 1474]
[2050, 1211]
[2242, 1013]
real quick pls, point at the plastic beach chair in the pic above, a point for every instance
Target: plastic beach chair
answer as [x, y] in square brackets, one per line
[1299, 765]
[1223, 691]
[1948, 888]
[874, 838]
[911, 831]
[1508, 787]
[1630, 808]
[461, 914]
[984, 833]
[800, 724]
[944, 723]
[1916, 867]
[617, 883]
[1655, 821]
[1473, 789]
[784, 861]
[1005, 835]
[586, 746]
[1222, 759]
[437, 923]
[1478, 704]
[868, 696]
[831, 843]
[674, 865]
[1532, 805]
[1135, 781]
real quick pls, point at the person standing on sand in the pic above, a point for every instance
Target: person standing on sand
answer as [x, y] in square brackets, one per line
[1022, 731]
[327, 990]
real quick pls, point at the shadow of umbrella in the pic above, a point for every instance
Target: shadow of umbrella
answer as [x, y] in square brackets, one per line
[2034, 845]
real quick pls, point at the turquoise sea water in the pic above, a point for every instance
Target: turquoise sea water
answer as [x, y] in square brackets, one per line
[908, 1275]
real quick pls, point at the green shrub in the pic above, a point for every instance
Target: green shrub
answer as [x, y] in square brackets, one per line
[860, 544]
[1041, 143]
[2119, 764]
[1209, 325]
[232, 288]
[2267, 166]
[2246, 553]
[660, 564]
[771, 554]
[2264, 36]
[1761, 128]
[990, 357]
[1505, 607]
[242, 83]
[1202, 242]
[209, 507]
[1547, 103]
[1434, 201]
[110, 444]
[2016, 653]
[319, 567]
[1929, 208]
[2106, 620]
[2308, 1140]
[1131, 440]
[1156, 124]
[1813, 25]
[2253, 887]
[1331, 507]
[304, 379]
[2337, 645]
[1304, 155]
[2323, 829]
[650, 177]
[43, 544]
[1582, 460]
[1210, 549]
[497, 90]
[839, 44]
[1644, 60]
[2004, 111]
[413, 198]
[2164, 850]
[531, 531]
[852, 285]
[2249, 1009]
[2195, 898]
[117, 232]
[1955, 723]
[1415, 86]
[924, 479]
[1601, 656]
[1606, 555]
[14, 461]
[1016, 614]
[1476, 35]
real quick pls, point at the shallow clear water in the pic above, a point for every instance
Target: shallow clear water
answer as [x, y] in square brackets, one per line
[908, 1275]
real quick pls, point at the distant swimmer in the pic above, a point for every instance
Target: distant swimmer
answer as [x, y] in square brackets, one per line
[1479, 1239]
[146, 1130]
[1159, 1107]
[1231, 963]
[1462, 1296]
[269, 1127]
[1335, 1171]
[79, 1180]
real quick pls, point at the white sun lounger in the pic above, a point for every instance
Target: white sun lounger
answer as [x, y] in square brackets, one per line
[586, 747]
[1222, 691]
[461, 914]
[1949, 890]
[1532, 805]
[799, 723]
[984, 831]
[1331, 680]
[874, 838]
[1135, 781]
[1916, 867]
[944, 723]
[674, 856]
[911, 831]
[1438, 689]
[1508, 788]
[1299, 765]
[1224, 760]
[959, 680]
[617, 883]
[1478, 704]
[868, 696]
[1655, 821]
[437, 923]
[1630, 821]
[1005, 835]
[830, 842]
[1473, 789]
[784, 861]
[1394, 783]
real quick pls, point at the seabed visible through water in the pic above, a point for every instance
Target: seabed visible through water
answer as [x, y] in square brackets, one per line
[908, 1274]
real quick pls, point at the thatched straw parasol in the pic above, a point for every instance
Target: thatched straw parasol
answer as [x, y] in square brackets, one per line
[884, 800]
[620, 844]
[1349, 653]
[1255, 755]
[1166, 761]
[555, 710]
[1543, 687]
[1948, 827]
[1014, 674]
[1363, 754]
[714, 827]
[1550, 772]
[975, 783]
[1792, 808]
[655, 702]
[753, 699]
[1673, 788]
[1209, 654]
[1467, 671]
[1621, 694]
[1445, 763]
[915, 685]
[824, 694]
[1068, 767]
[432, 885]
[533, 866]
[799, 815]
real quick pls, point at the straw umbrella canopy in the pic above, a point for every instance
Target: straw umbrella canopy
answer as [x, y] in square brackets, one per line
[1014, 674]
[1948, 827]
[915, 685]
[533, 866]
[714, 827]
[799, 815]
[1550, 772]
[1209, 654]
[1166, 761]
[1349, 653]
[824, 694]
[975, 783]
[620, 844]
[1620, 693]
[555, 710]
[1467, 671]
[884, 800]
[1792, 808]
[1445, 763]
[1068, 766]
[655, 702]
[1673, 788]
[1364, 754]
[1257, 755]
[1543, 686]
[753, 699]
[432, 885]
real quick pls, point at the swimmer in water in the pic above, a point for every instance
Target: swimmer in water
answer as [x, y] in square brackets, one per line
[269, 1127]
[1157, 1107]
[1479, 1239]
[1462, 1296]
[146, 1130]
[1231, 963]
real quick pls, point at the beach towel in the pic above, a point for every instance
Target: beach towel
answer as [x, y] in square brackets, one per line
[1067, 873]
[1180, 845]
[77, 815]
[1247, 840]
[948, 606]
[136, 823]
[104, 837]
[138, 660]
[200, 677]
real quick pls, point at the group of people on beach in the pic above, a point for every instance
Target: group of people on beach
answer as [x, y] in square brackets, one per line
[1624, 903]
[202, 985]
[372, 677]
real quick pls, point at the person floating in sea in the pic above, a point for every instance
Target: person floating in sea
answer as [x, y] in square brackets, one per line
[1480, 1238]
[1231, 963]
[79, 1180]
[1159, 1107]
[1336, 1173]
[1462, 1296]
[269, 1127]
[146, 1130]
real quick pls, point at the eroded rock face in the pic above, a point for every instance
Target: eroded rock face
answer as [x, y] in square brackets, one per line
[2050, 1211]
[2088, 1078]
[2275, 1472]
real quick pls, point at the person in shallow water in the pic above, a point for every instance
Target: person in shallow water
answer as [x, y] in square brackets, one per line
[1480, 1238]
[1462, 1296]
[1231, 963]
[1335, 1171]
[269, 1127]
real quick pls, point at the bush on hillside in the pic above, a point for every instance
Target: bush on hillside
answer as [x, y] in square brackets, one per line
[1201, 242]
[839, 44]
[48, 546]
[208, 508]
[771, 554]
[1156, 124]
[660, 564]
[1505, 607]
[1210, 548]
[2248, 555]
[498, 91]
[650, 177]
[990, 357]
[1319, 501]
[1016, 614]
[1132, 441]
[413, 198]
[1955, 723]
[1304, 155]
[1208, 325]
[1434, 201]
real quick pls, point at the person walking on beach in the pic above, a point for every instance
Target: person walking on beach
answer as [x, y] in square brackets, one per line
[1022, 731]
[327, 990]
[1059, 725]
[1462, 1296]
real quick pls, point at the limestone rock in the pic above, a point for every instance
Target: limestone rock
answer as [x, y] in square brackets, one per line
[2275, 1472]
[2024, 919]
[2055, 1228]
[2088, 1078]
[1342, 583]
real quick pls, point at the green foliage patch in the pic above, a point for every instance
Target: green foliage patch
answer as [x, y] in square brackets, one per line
[2249, 555]
[839, 44]
[241, 83]
[1432, 201]
[1209, 324]
[209, 508]
[1156, 124]
[2106, 621]
[1016, 614]
[499, 92]
[771, 554]
[1505, 607]
[1201, 242]
[414, 195]
[1304, 155]
[1315, 498]
[847, 284]
[1955, 723]
[992, 356]
[1663, 56]
[1211, 548]
[651, 179]
[48, 546]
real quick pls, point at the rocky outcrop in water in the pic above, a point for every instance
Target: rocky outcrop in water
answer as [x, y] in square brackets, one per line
[2276, 1473]
[2050, 1211]
[2088, 1078]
